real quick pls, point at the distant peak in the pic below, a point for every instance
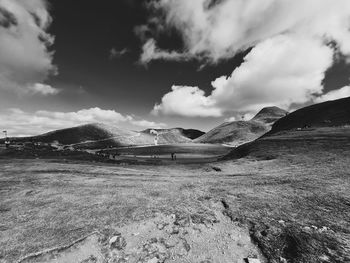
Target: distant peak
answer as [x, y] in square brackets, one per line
[270, 114]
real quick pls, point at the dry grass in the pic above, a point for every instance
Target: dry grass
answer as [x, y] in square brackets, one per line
[297, 206]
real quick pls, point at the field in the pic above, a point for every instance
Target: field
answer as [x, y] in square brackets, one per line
[290, 207]
[286, 200]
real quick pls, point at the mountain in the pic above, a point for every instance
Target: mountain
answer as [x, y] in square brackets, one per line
[270, 114]
[234, 133]
[96, 135]
[192, 133]
[83, 133]
[326, 114]
[312, 130]
[239, 132]
[188, 133]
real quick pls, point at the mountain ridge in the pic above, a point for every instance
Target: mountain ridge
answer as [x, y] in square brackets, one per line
[239, 132]
[310, 129]
[99, 135]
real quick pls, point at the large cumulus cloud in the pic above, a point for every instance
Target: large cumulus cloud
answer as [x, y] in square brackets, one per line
[287, 64]
[25, 61]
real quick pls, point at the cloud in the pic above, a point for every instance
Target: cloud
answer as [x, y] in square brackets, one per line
[113, 53]
[279, 71]
[21, 123]
[290, 51]
[241, 117]
[148, 124]
[187, 101]
[24, 41]
[344, 92]
[39, 88]
[231, 119]
[151, 52]
[217, 30]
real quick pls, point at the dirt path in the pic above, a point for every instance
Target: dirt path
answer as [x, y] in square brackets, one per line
[204, 237]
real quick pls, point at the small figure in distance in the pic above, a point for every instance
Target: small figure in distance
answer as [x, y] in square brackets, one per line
[172, 156]
[175, 156]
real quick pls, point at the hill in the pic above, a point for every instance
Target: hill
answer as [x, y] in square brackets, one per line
[270, 114]
[240, 132]
[83, 133]
[234, 133]
[288, 144]
[96, 136]
[179, 132]
[326, 114]
[319, 128]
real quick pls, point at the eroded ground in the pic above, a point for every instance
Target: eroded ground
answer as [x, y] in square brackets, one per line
[294, 209]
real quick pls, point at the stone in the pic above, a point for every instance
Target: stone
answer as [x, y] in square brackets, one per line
[307, 228]
[323, 229]
[175, 230]
[117, 242]
[153, 260]
[253, 260]
[283, 260]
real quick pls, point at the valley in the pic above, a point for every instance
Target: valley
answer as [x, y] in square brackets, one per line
[282, 197]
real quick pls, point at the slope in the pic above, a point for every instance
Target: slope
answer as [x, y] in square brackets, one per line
[239, 132]
[312, 130]
[97, 136]
[326, 114]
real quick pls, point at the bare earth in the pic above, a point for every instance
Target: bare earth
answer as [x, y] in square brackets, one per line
[291, 209]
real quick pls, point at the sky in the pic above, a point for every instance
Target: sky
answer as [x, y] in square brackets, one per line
[166, 63]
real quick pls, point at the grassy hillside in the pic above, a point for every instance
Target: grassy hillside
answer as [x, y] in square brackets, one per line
[240, 132]
[234, 133]
[270, 114]
[98, 135]
[320, 127]
[327, 114]
[313, 141]
[176, 132]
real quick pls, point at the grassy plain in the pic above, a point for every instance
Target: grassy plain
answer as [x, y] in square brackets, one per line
[288, 204]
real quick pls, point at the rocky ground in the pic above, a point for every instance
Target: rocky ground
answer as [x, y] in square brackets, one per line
[293, 208]
[208, 237]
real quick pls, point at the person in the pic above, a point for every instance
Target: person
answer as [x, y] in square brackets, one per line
[172, 156]
[175, 156]
[7, 143]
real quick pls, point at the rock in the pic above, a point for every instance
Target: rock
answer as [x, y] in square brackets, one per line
[283, 260]
[253, 260]
[153, 260]
[185, 245]
[307, 229]
[175, 230]
[216, 169]
[117, 242]
[161, 226]
[323, 229]
[324, 258]
[91, 259]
